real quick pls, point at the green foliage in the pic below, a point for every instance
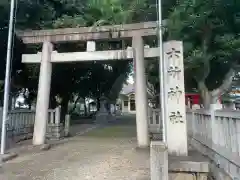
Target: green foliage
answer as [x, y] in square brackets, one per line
[211, 39]
[210, 33]
[85, 79]
[97, 79]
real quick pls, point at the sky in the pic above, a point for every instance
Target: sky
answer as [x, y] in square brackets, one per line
[130, 80]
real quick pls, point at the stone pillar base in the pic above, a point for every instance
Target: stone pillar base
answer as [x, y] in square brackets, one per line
[55, 131]
[101, 118]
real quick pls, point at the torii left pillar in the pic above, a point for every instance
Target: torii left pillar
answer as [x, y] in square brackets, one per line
[44, 85]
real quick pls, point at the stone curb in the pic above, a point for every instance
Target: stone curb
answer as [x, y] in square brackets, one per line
[36, 149]
[142, 149]
[87, 130]
[45, 147]
[8, 157]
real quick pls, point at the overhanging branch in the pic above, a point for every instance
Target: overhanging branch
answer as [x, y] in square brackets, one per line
[201, 85]
[226, 84]
[74, 105]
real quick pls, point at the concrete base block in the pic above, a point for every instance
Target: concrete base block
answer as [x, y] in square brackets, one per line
[143, 149]
[187, 176]
[169, 167]
[102, 118]
[189, 166]
[159, 161]
[192, 167]
[45, 147]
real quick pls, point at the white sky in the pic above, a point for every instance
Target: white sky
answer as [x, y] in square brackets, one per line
[130, 80]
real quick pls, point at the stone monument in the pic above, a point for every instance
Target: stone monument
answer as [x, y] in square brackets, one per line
[176, 127]
[102, 115]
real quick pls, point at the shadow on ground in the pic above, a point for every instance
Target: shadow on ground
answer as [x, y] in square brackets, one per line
[83, 120]
[121, 127]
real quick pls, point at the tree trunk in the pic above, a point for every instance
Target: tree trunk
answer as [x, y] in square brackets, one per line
[157, 102]
[226, 84]
[10, 97]
[206, 99]
[29, 106]
[211, 97]
[85, 107]
[98, 104]
[64, 107]
[74, 105]
[52, 102]
[206, 95]
[13, 102]
[64, 110]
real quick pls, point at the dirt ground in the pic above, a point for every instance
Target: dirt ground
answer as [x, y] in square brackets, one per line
[108, 153]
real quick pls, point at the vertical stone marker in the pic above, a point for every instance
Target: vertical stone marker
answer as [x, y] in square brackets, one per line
[175, 92]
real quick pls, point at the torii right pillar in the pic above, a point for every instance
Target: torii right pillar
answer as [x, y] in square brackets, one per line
[176, 125]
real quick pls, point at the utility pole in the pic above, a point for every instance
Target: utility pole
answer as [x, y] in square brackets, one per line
[7, 77]
[162, 94]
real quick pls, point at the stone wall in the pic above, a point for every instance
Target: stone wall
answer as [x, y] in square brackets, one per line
[215, 133]
[217, 171]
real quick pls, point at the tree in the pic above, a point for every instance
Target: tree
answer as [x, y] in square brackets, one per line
[101, 13]
[82, 78]
[211, 43]
[29, 14]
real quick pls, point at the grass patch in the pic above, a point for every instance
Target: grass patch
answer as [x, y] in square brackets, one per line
[113, 131]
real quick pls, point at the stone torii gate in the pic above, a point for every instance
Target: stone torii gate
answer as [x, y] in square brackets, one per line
[137, 52]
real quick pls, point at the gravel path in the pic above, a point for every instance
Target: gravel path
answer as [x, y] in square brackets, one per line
[82, 158]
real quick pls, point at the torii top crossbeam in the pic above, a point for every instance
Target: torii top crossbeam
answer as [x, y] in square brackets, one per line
[89, 33]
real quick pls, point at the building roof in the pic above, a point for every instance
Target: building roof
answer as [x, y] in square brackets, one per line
[130, 88]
